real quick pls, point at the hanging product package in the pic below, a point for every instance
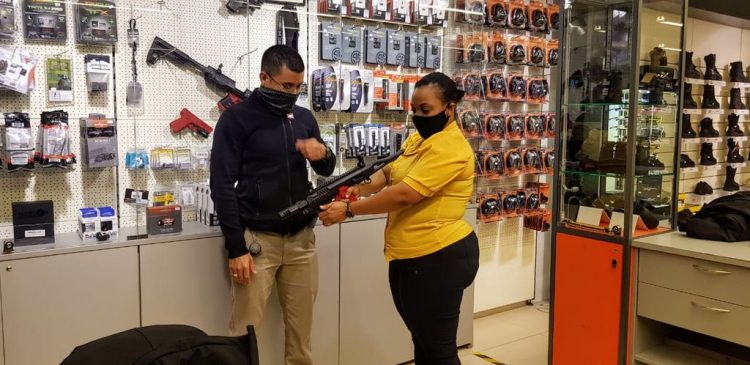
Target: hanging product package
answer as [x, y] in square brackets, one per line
[96, 22]
[499, 48]
[351, 45]
[537, 13]
[53, 141]
[553, 51]
[553, 13]
[19, 145]
[7, 19]
[433, 51]
[98, 70]
[402, 11]
[45, 20]
[497, 13]
[476, 48]
[17, 70]
[517, 14]
[497, 85]
[100, 141]
[537, 53]
[59, 83]
[518, 51]
[330, 41]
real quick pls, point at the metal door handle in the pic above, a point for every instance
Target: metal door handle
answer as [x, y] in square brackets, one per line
[710, 309]
[711, 271]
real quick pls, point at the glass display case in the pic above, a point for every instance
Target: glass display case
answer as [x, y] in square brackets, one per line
[620, 103]
[619, 108]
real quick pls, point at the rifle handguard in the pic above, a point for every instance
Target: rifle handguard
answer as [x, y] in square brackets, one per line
[328, 192]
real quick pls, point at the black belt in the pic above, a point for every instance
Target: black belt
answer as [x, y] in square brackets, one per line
[287, 27]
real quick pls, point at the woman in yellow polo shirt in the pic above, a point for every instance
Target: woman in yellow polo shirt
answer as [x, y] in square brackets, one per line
[433, 253]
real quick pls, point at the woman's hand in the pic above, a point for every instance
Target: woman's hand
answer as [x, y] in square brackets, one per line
[355, 190]
[333, 213]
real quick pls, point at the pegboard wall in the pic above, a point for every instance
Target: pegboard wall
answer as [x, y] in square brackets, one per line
[75, 187]
[508, 230]
[207, 32]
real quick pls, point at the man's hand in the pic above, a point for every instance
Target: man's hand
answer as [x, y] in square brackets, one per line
[312, 149]
[242, 268]
[333, 213]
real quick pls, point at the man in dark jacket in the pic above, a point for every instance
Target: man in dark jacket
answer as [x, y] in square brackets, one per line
[259, 167]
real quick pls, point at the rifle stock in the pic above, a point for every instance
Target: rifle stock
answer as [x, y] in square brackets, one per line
[327, 192]
[214, 77]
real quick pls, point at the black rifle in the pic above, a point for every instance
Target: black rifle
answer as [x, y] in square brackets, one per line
[213, 76]
[325, 193]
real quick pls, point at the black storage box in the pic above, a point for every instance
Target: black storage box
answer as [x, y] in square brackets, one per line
[33, 223]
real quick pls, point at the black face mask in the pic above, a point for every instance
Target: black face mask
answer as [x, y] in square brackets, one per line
[280, 103]
[427, 126]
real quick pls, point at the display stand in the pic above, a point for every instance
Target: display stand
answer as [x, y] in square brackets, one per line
[620, 110]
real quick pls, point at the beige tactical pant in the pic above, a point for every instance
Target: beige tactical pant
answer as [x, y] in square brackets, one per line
[292, 263]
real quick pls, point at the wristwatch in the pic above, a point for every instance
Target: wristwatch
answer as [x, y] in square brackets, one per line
[349, 213]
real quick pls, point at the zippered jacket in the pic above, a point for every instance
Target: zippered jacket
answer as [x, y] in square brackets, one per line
[256, 170]
[724, 219]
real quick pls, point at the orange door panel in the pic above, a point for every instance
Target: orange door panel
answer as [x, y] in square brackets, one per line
[588, 276]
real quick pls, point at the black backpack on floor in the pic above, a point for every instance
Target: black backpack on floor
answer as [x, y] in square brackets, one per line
[167, 345]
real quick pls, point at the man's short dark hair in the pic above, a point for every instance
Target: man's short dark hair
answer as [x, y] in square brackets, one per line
[278, 56]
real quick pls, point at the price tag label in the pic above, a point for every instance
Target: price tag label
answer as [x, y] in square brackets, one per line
[692, 111]
[695, 81]
[712, 140]
[716, 83]
[691, 141]
[739, 85]
[739, 111]
[738, 165]
[716, 167]
[713, 111]
[689, 169]
[740, 139]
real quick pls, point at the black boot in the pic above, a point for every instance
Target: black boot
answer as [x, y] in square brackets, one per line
[691, 71]
[735, 99]
[614, 95]
[709, 98]
[707, 154]
[737, 72]
[733, 152]
[733, 127]
[702, 188]
[707, 128]
[642, 153]
[689, 102]
[729, 183]
[686, 161]
[643, 209]
[687, 127]
[711, 72]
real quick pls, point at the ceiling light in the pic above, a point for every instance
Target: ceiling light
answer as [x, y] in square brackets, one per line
[661, 20]
[598, 28]
[661, 45]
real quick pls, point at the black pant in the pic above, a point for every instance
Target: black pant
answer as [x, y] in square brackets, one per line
[427, 292]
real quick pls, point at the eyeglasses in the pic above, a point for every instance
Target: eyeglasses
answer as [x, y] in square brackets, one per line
[288, 86]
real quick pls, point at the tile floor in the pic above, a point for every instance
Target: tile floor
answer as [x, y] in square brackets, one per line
[515, 337]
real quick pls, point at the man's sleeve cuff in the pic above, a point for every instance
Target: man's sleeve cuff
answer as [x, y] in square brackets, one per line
[236, 247]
